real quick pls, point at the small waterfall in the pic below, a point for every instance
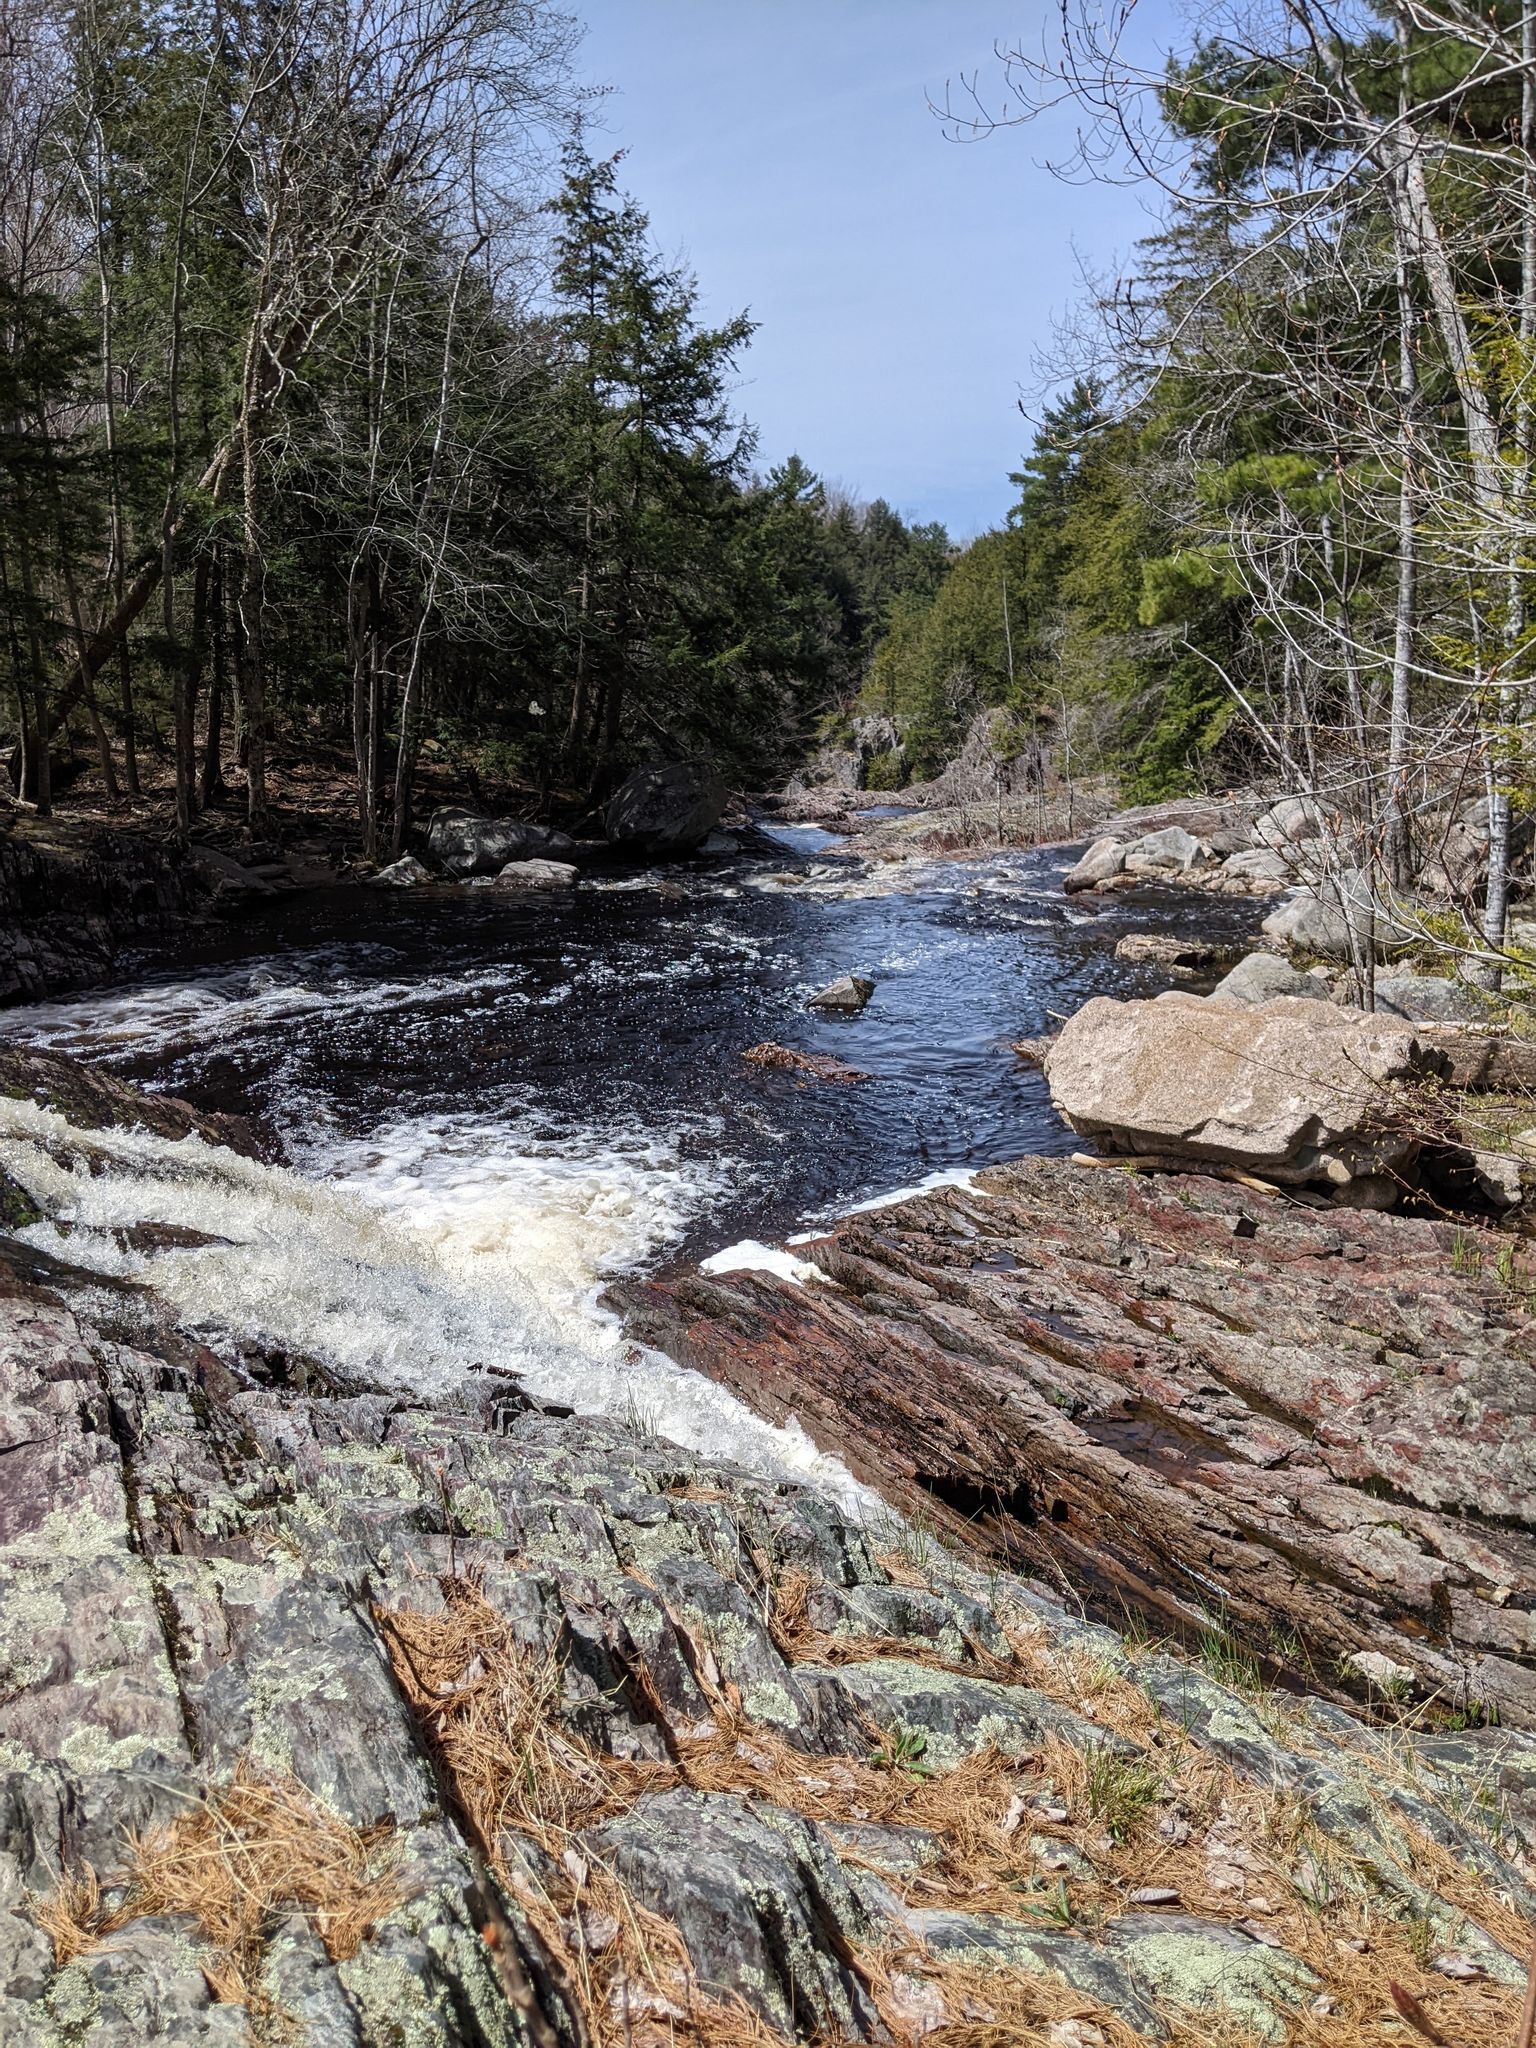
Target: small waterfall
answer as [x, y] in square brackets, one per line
[422, 1258]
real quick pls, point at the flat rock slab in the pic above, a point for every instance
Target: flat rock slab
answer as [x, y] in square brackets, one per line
[1176, 1393]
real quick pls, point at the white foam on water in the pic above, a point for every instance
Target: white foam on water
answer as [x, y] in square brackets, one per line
[946, 1177]
[422, 1256]
[752, 1256]
[217, 1008]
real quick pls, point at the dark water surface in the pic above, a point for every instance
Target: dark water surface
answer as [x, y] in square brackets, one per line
[431, 1046]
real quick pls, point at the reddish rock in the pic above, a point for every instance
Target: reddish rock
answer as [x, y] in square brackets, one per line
[1175, 1393]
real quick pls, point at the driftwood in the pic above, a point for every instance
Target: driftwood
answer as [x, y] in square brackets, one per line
[1177, 1395]
[819, 1066]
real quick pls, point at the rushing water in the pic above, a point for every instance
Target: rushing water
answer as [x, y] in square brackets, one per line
[491, 1101]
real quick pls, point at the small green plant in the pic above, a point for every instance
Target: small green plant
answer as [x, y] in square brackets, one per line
[1120, 1790]
[903, 1749]
[1225, 1659]
[1506, 1271]
[1054, 1905]
[1285, 1646]
[1466, 1255]
[886, 771]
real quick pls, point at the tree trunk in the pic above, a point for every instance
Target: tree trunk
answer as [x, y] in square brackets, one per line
[253, 681]
[213, 745]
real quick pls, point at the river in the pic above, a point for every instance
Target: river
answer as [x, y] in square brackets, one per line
[490, 1103]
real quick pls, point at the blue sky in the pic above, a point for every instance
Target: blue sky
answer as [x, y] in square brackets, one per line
[904, 284]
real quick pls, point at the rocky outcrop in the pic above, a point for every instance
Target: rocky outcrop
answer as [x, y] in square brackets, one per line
[843, 763]
[463, 842]
[668, 809]
[1190, 1397]
[90, 1099]
[1283, 1088]
[77, 900]
[624, 1745]
[334, 1718]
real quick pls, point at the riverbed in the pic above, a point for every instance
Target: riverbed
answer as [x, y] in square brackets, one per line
[491, 1103]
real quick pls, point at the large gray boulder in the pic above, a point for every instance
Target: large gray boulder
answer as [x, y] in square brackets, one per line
[1098, 865]
[464, 842]
[671, 808]
[1319, 918]
[1292, 822]
[1258, 864]
[1260, 977]
[1288, 1089]
[1103, 860]
[1429, 999]
[1173, 851]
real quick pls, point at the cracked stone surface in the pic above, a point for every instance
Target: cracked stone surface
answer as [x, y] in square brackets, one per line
[191, 1566]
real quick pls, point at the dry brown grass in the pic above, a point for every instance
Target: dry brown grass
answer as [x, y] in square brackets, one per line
[490, 1708]
[249, 1851]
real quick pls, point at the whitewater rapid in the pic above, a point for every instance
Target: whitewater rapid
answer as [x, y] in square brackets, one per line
[419, 1261]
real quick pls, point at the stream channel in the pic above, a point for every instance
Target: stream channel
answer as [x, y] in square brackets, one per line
[491, 1103]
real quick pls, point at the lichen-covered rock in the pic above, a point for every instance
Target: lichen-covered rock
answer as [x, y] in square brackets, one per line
[805, 1744]
[1210, 1966]
[759, 1898]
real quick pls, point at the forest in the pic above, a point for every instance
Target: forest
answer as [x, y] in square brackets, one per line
[1280, 527]
[345, 403]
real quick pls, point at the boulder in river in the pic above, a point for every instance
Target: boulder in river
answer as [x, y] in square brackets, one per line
[1286, 1089]
[537, 875]
[465, 842]
[1103, 860]
[1260, 977]
[849, 994]
[1162, 949]
[669, 808]
[405, 873]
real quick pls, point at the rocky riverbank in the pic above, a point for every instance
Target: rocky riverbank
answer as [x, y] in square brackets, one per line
[329, 1715]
